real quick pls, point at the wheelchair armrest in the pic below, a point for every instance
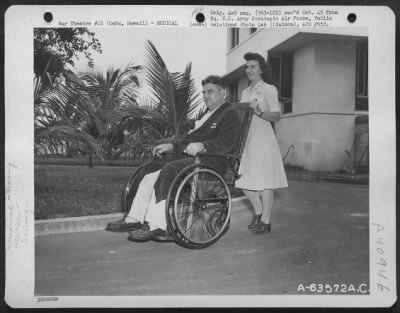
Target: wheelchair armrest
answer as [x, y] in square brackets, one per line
[232, 160]
[224, 155]
[229, 156]
[169, 152]
[200, 154]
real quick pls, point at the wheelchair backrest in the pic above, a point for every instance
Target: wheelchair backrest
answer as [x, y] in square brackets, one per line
[246, 114]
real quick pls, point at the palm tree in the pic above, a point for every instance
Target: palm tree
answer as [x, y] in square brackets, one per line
[109, 92]
[173, 100]
[104, 112]
[175, 94]
[77, 110]
[59, 108]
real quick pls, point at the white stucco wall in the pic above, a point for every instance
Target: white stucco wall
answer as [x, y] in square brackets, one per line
[319, 141]
[324, 77]
[335, 65]
[323, 84]
[305, 80]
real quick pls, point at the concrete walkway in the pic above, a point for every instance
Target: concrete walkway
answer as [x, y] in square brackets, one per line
[319, 235]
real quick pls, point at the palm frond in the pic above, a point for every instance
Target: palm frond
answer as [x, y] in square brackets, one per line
[57, 133]
[175, 93]
[157, 78]
[188, 98]
[129, 75]
[199, 114]
[106, 89]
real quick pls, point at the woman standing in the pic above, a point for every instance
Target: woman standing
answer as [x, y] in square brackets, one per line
[261, 167]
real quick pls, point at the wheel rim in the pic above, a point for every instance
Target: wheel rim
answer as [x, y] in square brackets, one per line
[202, 207]
[128, 193]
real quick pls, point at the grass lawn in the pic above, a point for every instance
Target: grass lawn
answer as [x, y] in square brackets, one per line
[72, 190]
[66, 190]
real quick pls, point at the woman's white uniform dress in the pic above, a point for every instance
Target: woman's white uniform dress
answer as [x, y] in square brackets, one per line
[261, 166]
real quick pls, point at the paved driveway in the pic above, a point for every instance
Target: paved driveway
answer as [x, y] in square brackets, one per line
[319, 235]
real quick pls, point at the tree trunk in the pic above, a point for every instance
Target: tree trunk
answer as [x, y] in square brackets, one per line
[68, 149]
[91, 160]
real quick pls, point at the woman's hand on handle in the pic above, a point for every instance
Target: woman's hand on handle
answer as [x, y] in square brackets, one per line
[256, 106]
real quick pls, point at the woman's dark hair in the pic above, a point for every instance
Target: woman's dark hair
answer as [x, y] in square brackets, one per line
[264, 66]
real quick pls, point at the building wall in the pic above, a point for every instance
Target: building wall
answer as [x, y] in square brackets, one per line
[321, 128]
[335, 64]
[324, 77]
[316, 142]
[304, 90]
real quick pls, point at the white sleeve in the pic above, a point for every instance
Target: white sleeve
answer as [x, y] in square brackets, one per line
[271, 96]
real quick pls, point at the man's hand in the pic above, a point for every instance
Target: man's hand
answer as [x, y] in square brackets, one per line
[194, 148]
[160, 149]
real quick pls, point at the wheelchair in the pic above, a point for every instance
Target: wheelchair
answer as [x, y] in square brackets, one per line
[199, 203]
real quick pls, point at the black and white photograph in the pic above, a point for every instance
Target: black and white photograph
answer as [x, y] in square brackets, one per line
[162, 160]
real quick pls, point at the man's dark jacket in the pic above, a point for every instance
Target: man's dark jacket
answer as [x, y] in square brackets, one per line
[218, 134]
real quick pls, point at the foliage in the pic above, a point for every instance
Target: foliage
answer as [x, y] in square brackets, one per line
[59, 105]
[78, 111]
[62, 45]
[108, 93]
[106, 113]
[173, 100]
[59, 110]
[175, 94]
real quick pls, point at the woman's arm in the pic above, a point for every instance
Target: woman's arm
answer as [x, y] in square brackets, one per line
[269, 95]
[268, 116]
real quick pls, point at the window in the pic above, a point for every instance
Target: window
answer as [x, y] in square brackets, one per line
[234, 37]
[282, 77]
[362, 76]
[253, 30]
[233, 92]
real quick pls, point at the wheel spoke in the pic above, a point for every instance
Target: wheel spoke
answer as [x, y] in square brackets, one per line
[201, 207]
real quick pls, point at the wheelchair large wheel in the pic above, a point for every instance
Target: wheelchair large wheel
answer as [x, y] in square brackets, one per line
[198, 207]
[130, 191]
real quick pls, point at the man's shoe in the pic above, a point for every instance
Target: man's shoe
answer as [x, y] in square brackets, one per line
[145, 234]
[165, 237]
[121, 226]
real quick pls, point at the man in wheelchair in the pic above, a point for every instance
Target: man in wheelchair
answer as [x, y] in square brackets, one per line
[216, 132]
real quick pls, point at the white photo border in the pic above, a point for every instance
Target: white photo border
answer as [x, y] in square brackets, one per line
[19, 179]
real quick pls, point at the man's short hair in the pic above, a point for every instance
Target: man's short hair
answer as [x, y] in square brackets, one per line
[214, 79]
